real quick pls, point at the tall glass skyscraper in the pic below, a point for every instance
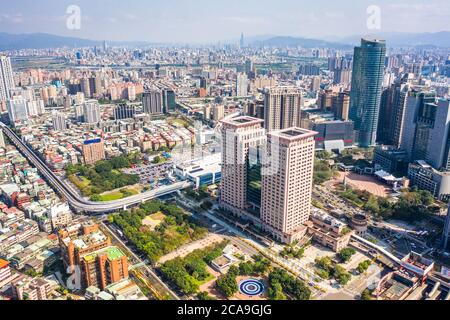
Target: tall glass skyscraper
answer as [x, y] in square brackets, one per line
[365, 95]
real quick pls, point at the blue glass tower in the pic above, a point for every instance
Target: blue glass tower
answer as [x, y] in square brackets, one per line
[365, 95]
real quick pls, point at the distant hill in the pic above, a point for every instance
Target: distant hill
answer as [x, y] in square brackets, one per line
[44, 40]
[398, 39]
[282, 41]
[41, 41]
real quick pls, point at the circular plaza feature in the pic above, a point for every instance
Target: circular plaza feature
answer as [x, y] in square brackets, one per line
[251, 287]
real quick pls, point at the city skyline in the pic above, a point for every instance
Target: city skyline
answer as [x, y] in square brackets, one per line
[205, 22]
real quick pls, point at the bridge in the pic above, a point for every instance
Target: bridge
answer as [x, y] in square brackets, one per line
[77, 202]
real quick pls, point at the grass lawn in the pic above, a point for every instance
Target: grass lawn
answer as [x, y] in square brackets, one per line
[79, 181]
[154, 220]
[117, 195]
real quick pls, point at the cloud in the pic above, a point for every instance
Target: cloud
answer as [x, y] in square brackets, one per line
[14, 17]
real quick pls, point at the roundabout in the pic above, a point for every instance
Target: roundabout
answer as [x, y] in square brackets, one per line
[251, 287]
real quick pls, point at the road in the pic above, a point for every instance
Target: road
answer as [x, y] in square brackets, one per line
[72, 197]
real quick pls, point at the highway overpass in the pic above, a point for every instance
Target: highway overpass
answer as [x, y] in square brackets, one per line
[77, 202]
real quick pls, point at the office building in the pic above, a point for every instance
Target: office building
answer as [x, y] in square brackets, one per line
[238, 136]
[91, 111]
[6, 78]
[152, 102]
[59, 121]
[287, 184]
[425, 177]
[169, 100]
[104, 267]
[426, 130]
[17, 109]
[282, 107]
[365, 95]
[124, 111]
[392, 112]
[93, 151]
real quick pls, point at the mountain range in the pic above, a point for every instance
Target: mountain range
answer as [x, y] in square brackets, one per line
[44, 40]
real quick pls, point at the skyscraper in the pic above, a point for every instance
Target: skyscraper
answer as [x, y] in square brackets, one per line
[426, 129]
[152, 101]
[282, 106]
[238, 136]
[241, 42]
[287, 187]
[365, 95]
[6, 78]
[91, 111]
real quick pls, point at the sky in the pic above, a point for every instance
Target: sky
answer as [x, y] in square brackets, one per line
[211, 21]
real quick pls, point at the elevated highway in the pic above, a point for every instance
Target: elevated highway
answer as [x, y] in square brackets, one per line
[78, 203]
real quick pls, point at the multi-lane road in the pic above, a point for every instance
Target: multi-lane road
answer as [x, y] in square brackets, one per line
[77, 202]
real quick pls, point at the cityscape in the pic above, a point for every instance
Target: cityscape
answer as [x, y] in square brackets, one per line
[235, 167]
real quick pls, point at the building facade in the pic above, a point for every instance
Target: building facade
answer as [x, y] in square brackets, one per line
[365, 95]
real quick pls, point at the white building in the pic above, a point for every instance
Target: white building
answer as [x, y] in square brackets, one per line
[6, 78]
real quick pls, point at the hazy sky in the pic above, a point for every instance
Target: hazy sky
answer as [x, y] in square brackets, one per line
[217, 20]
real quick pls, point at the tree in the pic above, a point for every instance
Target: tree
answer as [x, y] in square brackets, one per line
[227, 284]
[204, 296]
[346, 254]
[366, 295]
[363, 266]
[275, 292]
[341, 275]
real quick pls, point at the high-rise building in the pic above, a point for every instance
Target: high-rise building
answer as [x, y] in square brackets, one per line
[287, 186]
[169, 100]
[93, 151]
[250, 70]
[238, 136]
[365, 95]
[2, 139]
[6, 78]
[59, 121]
[218, 112]
[325, 100]
[341, 105]
[17, 109]
[315, 84]
[241, 42]
[241, 85]
[282, 108]
[426, 133]
[104, 267]
[392, 112]
[152, 101]
[124, 111]
[86, 87]
[91, 111]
